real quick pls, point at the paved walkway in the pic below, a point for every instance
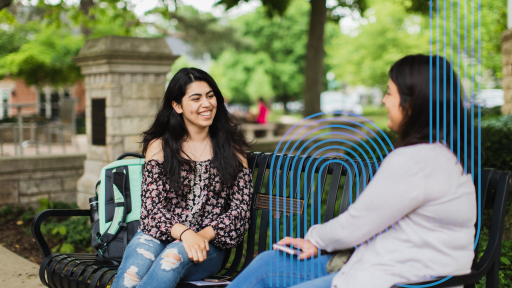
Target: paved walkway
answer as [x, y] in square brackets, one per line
[17, 272]
[8, 149]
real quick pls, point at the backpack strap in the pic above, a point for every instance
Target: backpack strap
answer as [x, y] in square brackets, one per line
[120, 183]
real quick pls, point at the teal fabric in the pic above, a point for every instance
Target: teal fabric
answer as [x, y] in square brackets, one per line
[135, 176]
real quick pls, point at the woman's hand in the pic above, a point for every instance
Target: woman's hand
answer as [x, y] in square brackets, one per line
[308, 249]
[195, 245]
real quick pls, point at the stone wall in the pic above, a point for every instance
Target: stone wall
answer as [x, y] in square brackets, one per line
[24, 180]
[130, 75]
[506, 50]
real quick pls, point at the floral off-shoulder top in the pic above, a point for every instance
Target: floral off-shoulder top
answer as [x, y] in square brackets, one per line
[202, 202]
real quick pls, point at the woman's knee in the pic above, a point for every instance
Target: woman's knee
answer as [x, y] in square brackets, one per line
[266, 257]
[131, 277]
[145, 246]
[171, 258]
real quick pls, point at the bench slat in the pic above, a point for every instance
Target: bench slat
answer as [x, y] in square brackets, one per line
[333, 191]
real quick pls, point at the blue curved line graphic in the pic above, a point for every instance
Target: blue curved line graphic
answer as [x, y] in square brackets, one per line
[373, 124]
[342, 133]
[348, 158]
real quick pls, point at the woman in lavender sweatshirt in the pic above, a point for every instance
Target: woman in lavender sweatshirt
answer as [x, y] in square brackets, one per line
[415, 219]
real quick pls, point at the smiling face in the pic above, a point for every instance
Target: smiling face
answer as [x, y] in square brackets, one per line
[198, 106]
[392, 103]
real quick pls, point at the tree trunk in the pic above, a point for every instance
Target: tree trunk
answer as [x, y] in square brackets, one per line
[5, 3]
[85, 6]
[314, 73]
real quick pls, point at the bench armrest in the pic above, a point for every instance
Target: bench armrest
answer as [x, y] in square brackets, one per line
[38, 220]
[456, 280]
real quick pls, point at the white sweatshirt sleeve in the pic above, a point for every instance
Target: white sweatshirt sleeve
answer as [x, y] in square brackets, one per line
[397, 188]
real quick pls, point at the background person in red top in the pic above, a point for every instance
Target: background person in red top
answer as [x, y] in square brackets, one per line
[261, 118]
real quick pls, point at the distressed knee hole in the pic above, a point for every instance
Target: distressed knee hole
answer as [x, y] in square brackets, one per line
[145, 238]
[146, 254]
[171, 259]
[130, 277]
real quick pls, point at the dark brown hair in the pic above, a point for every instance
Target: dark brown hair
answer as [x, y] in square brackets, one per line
[424, 82]
[226, 136]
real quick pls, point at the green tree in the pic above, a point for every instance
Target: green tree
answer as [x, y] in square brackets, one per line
[364, 55]
[39, 50]
[283, 40]
[389, 32]
[87, 14]
[244, 76]
[319, 13]
[314, 67]
[201, 31]
[46, 59]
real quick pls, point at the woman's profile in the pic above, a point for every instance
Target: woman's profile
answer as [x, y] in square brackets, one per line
[196, 188]
[416, 217]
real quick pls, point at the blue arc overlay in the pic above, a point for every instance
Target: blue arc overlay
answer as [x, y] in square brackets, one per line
[360, 139]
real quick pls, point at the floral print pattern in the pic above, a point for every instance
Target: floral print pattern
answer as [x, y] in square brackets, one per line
[203, 201]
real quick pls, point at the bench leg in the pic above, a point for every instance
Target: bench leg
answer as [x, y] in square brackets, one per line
[269, 134]
[493, 276]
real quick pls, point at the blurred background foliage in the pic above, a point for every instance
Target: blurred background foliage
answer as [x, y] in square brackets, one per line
[257, 54]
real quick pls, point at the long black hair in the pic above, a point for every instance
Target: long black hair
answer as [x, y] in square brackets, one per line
[421, 85]
[225, 134]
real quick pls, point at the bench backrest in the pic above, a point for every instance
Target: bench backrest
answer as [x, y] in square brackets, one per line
[288, 184]
[340, 183]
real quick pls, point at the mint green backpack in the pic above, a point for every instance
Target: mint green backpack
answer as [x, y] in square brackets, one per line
[116, 208]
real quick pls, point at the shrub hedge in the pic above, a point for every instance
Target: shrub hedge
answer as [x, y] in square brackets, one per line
[497, 142]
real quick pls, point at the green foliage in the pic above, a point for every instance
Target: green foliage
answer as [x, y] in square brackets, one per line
[505, 279]
[14, 212]
[488, 113]
[505, 266]
[108, 21]
[273, 7]
[391, 30]
[73, 233]
[243, 77]
[204, 33]
[45, 204]
[494, 22]
[13, 38]
[364, 56]
[277, 46]
[496, 142]
[46, 59]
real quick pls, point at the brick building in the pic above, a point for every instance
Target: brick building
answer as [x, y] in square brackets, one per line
[45, 100]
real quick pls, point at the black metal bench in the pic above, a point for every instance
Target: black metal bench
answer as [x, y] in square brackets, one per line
[84, 270]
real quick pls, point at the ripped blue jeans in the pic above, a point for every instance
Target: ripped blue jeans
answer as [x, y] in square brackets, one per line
[148, 262]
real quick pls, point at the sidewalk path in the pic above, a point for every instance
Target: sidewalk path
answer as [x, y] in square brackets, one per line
[8, 149]
[17, 272]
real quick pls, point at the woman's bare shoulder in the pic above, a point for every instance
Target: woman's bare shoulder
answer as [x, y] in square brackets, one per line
[154, 150]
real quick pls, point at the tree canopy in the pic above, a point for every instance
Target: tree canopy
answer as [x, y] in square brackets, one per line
[259, 54]
[274, 58]
[388, 32]
[364, 55]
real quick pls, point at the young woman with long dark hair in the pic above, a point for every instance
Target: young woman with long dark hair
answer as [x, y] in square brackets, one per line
[416, 217]
[196, 188]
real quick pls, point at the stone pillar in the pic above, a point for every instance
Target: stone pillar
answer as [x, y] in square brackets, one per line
[125, 81]
[506, 51]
